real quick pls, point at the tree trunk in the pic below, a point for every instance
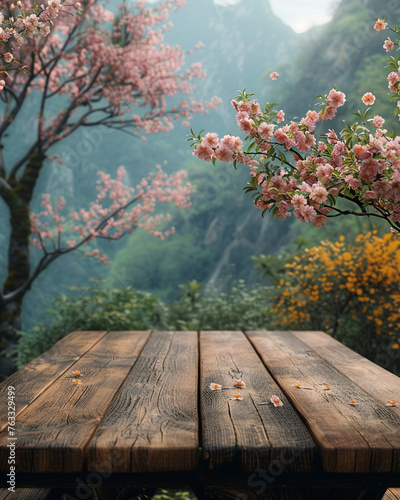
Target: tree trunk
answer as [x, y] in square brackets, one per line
[18, 269]
[10, 321]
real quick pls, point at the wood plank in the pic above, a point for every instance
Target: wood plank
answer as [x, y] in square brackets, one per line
[40, 373]
[242, 431]
[392, 494]
[25, 494]
[361, 438]
[152, 423]
[373, 379]
[54, 430]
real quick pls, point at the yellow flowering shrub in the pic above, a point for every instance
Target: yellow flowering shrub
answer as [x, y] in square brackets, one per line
[351, 290]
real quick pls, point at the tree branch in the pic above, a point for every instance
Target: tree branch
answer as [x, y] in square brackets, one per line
[4, 187]
[22, 160]
[49, 257]
[363, 214]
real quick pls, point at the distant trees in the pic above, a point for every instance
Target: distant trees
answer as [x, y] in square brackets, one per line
[93, 70]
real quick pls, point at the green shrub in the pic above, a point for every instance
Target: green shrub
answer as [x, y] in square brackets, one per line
[95, 308]
[240, 309]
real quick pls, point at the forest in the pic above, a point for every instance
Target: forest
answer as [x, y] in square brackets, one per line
[225, 267]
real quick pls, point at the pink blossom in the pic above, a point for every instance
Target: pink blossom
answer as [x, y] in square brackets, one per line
[78, 6]
[369, 169]
[321, 147]
[246, 124]
[255, 109]
[210, 140]
[336, 98]
[266, 130]
[388, 45]
[379, 25]
[318, 193]
[308, 213]
[244, 107]
[262, 205]
[328, 113]
[203, 152]
[368, 98]
[280, 116]
[283, 210]
[320, 220]
[393, 79]
[338, 151]
[274, 75]
[300, 139]
[332, 137]
[352, 182]
[370, 195]
[324, 172]
[299, 201]
[277, 182]
[310, 120]
[224, 153]
[361, 152]
[378, 121]
[8, 57]
[313, 115]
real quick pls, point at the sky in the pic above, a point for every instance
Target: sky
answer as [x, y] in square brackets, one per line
[301, 15]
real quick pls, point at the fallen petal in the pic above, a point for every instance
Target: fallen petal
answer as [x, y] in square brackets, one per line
[237, 397]
[276, 401]
[215, 387]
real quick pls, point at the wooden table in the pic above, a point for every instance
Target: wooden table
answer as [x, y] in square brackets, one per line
[143, 415]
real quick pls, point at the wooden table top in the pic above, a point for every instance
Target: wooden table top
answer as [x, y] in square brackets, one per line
[144, 404]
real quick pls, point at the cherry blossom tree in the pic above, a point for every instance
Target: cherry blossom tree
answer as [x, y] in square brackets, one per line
[293, 171]
[95, 68]
[20, 22]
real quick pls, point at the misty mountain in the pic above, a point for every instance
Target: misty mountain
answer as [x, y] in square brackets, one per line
[217, 237]
[242, 44]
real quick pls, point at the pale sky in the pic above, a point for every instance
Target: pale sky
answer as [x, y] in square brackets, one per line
[299, 14]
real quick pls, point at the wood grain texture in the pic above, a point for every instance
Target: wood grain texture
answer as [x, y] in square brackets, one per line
[242, 431]
[373, 379]
[40, 373]
[152, 423]
[24, 494]
[55, 428]
[392, 494]
[361, 438]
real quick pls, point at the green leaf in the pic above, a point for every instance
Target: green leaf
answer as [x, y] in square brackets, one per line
[213, 160]
[254, 182]
[332, 200]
